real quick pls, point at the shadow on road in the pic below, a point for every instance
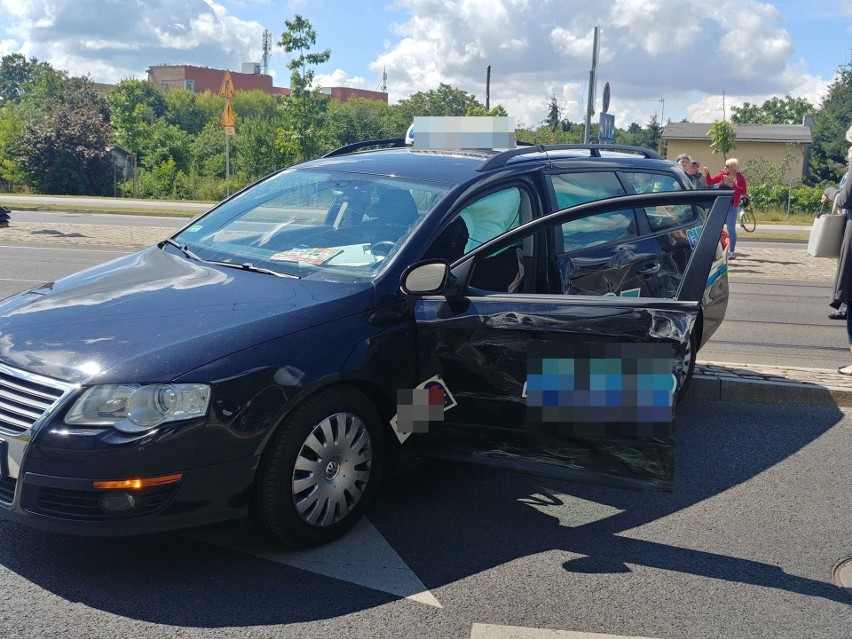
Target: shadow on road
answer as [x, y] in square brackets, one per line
[448, 522]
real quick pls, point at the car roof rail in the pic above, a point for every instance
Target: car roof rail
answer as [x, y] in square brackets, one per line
[349, 148]
[500, 160]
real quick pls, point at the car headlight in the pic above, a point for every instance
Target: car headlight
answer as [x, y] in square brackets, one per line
[134, 408]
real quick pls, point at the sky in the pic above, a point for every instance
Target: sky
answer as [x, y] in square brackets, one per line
[673, 59]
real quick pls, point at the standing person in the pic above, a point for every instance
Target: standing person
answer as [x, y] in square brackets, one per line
[730, 178]
[697, 177]
[830, 195]
[843, 278]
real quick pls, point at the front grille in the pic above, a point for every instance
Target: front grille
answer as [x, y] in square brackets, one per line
[25, 397]
[84, 504]
[7, 490]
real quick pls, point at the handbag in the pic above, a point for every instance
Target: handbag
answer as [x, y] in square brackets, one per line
[826, 236]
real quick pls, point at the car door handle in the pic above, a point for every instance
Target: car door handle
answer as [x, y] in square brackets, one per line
[649, 269]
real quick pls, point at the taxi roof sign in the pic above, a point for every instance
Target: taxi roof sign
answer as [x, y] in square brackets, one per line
[227, 88]
[463, 132]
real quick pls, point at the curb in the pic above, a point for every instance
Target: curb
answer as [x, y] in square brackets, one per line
[763, 385]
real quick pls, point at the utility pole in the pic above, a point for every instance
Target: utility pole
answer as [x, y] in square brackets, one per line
[590, 108]
[488, 89]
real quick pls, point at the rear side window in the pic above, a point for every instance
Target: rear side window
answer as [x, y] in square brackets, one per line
[595, 230]
[577, 188]
[661, 217]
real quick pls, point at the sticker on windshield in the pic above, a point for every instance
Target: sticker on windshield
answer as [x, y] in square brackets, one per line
[417, 407]
[306, 255]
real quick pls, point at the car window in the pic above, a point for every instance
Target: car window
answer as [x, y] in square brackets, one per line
[595, 230]
[329, 225]
[491, 215]
[661, 217]
[578, 187]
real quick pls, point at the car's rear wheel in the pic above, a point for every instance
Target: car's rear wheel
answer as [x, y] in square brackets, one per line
[321, 469]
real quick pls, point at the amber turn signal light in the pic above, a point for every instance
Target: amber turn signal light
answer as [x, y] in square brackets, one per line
[137, 484]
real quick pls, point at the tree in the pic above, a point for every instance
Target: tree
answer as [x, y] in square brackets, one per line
[184, 111]
[359, 119]
[67, 153]
[829, 146]
[256, 104]
[256, 152]
[648, 136]
[494, 111]
[134, 107]
[301, 138]
[722, 137]
[786, 110]
[164, 142]
[12, 127]
[15, 72]
[554, 114]
[445, 100]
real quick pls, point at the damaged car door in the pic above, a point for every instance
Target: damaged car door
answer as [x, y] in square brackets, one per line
[575, 386]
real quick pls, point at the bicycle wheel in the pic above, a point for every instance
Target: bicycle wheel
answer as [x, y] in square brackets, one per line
[748, 221]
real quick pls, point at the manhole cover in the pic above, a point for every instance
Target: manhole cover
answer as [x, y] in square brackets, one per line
[843, 575]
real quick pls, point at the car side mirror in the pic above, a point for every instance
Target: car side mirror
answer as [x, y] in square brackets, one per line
[426, 278]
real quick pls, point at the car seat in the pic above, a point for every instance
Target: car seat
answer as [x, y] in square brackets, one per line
[391, 215]
[450, 244]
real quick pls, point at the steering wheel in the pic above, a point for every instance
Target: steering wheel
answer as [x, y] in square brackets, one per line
[382, 248]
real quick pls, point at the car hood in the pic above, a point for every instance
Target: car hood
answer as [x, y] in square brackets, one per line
[154, 315]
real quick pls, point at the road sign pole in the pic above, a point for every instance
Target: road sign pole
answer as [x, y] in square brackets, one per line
[227, 165]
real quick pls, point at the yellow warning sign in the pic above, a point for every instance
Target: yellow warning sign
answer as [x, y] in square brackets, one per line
[228, 116]
[227, 88]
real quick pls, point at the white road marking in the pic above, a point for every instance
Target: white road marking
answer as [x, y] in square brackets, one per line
[488, 631]
[361, 557]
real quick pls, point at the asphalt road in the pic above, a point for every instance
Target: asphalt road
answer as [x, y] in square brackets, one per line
[743, 547]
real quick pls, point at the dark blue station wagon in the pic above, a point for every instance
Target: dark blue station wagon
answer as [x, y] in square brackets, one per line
[282, 351]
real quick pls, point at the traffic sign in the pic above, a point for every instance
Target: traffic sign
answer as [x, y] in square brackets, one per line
[227, 88]
[606, 133]
[605, 98]
[228, 116]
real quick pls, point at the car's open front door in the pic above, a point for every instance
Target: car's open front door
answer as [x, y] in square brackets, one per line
[570, 385]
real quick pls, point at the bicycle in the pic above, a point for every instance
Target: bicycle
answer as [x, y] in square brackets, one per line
[747, 220]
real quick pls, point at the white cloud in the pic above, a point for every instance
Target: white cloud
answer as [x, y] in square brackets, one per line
[688, 54]
[339, 78]
[115, 40]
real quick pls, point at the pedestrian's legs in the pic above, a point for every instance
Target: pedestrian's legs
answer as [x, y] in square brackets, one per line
[731, 224]
[847, 370]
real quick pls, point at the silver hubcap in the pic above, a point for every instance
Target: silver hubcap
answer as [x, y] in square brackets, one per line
[332, 469]
[682, 369]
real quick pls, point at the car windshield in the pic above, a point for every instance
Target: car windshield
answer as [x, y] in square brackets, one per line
[312, 223]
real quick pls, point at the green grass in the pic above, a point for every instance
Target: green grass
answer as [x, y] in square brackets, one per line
[779, 216]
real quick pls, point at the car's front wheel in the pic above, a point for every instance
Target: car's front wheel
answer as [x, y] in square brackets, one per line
[321, 469]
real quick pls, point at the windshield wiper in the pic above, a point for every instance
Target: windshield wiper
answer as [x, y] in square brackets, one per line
[245, 266]
[248, 266]
[183, 248]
